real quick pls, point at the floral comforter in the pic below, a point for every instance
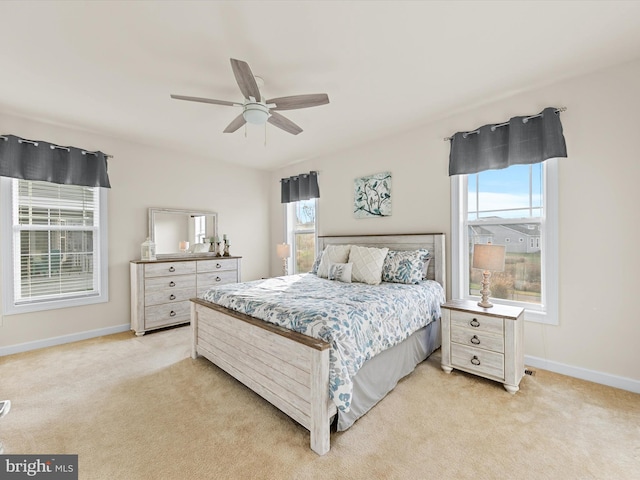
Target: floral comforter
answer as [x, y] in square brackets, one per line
[357, 320]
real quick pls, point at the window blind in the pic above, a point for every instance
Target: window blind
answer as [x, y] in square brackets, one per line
[55, 241]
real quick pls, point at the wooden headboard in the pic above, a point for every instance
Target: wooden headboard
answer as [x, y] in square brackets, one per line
[434, 242]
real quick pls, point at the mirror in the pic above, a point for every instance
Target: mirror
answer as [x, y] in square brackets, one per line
[170, 228]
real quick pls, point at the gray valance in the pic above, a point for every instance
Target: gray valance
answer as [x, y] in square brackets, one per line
[299, 187]
[520, 141]
[47, 162]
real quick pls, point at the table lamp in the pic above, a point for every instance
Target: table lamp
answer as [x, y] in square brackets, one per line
[284, 252]
[488, 258]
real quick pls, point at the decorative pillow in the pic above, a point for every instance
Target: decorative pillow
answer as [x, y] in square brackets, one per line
[426, 268]
[403, 266]
[316, 264]
[332, 254]
[367, 264]
[340, 272]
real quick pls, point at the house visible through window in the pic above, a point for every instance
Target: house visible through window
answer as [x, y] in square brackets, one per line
[55, 255]
[515, 207]
[301, 233]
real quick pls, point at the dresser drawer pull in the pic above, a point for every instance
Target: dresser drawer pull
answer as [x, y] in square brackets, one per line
[173, 297]
[218, 265]
[475, 360]
[475, 340]
[218, 279]
[172, 284]
[173, 314]
[172, 268]
[474, 323]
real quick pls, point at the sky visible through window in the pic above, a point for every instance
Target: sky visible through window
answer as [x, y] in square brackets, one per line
[514, 192]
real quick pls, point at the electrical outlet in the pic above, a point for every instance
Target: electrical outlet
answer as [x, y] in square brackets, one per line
[530, 372]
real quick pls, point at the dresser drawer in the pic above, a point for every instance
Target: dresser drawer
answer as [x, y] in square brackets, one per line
[477, 322]
[479, 339]
[169, 283]
[158, 297]
[476, 360]
[208, 280]
[169, 268]
[167, 314]
[217, 265]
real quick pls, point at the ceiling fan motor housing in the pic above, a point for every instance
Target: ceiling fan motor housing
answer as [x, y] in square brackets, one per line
[256, 113]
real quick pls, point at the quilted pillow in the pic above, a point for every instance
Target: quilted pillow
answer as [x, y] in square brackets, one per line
[367, 264]
[340, 272]
[332, 254]
[404, 266]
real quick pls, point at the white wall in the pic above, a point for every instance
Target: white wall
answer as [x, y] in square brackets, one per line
[143, 177]
[599, 200]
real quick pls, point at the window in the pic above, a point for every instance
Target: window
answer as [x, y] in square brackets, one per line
[499, 206]
[56, 255]
[302, 234]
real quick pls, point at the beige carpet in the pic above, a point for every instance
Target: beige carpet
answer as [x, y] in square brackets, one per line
[141, 408]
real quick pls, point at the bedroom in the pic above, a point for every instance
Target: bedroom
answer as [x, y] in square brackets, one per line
[598, 324]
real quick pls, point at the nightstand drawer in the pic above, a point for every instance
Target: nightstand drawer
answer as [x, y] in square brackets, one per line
[476, 360]
[479, 339]
[478, 322]
[162, 269]
[217, 265]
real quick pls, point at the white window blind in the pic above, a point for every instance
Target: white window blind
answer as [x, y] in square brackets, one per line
[55, 242]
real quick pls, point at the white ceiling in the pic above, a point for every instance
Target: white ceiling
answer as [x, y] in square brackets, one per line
[109, 67]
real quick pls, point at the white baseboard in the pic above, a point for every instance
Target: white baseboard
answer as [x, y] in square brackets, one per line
[584, 374]
[50, 342]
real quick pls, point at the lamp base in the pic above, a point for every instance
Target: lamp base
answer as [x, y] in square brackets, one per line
[485, 292]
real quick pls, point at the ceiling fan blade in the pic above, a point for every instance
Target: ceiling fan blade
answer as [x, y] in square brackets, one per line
[246, 80]
[299, 101]
[284, 123]
[235, 124]
[206, 100]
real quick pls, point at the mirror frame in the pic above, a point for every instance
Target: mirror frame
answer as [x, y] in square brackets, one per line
[152, 234]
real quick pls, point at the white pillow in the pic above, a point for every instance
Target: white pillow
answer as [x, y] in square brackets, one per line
[332, 254]
[340, 272]
[367, 264]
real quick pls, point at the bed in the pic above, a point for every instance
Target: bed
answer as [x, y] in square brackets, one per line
[297, 372]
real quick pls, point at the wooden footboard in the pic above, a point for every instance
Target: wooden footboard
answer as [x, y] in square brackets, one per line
[288, 369]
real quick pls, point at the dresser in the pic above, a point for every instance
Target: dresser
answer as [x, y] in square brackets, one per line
[484, 341]
[160, 290]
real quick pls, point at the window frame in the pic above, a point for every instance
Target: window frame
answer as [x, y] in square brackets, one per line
[9, 306]
[289, 212]
[547, 312]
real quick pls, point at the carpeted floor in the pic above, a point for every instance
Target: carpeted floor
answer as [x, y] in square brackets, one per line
[141, 408]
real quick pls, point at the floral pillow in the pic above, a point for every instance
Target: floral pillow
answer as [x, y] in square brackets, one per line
[340, 272]
[316, 264]
[404, 266]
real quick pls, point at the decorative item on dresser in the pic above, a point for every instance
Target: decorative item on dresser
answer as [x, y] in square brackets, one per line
[488, 343]
[160, 291]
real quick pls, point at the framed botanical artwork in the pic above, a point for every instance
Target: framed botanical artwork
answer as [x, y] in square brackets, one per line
[372, 196]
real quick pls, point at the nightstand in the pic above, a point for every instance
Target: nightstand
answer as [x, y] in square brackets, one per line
[484, 341]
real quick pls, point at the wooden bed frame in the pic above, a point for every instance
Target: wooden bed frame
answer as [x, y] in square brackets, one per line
[288, 369]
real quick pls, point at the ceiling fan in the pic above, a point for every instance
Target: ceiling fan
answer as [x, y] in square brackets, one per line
[257, 110]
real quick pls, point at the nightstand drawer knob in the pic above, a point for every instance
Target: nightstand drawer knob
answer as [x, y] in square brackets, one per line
[475, 340]
[172, 297]
[173, 314]
[475, 360]
[172, 284]
[218, 265]
[474, 323]
[172, 268]
[218, 279]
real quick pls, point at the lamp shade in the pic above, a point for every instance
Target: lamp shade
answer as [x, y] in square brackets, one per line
[284, 250]
[489, 257]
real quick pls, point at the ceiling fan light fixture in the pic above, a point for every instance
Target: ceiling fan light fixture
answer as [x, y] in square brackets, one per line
[256, 113]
